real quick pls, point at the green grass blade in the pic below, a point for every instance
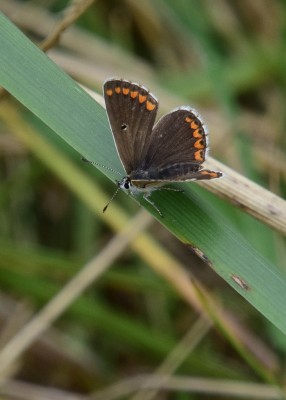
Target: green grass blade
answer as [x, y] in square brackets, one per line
[59, 102]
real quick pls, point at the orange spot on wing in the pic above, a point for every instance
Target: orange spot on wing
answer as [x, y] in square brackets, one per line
[199, 144]
[199, 155]
[142, 98]
[150, 106]
[215, 174]
[118, 89]
[134, 94]
[126, 91]
[194, 125]
[109, 92]
[188, 120]
[197, 134]
[211, 174]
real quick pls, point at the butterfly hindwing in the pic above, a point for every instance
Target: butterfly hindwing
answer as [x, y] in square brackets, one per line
[177, 150]
[178, 136]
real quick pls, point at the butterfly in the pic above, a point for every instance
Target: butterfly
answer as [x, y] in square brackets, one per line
[154, 154]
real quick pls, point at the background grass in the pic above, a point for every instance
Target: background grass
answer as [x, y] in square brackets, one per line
[228, 61]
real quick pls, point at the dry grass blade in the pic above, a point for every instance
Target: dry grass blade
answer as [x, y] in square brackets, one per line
[191, 385]
[71, 14]
[245, 194]
[176, 357]
[23, 390]
[70, 292]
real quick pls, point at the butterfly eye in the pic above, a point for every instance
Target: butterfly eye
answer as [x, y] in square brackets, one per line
[126, 185]
[123, 127]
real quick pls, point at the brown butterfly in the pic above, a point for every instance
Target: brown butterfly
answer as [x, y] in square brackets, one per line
[172, 150]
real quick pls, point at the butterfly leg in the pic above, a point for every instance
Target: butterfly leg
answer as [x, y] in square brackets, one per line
[146, 197]
[172, 189]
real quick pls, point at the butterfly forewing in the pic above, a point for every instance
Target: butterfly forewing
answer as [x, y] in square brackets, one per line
[131, 111]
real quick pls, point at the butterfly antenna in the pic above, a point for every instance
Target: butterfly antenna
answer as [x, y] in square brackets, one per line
[114, 194]
[100, 165]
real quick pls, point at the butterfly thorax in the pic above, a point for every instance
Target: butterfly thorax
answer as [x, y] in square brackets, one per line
[136, 187]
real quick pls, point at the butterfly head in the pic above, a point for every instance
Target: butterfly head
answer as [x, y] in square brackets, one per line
[125, 183]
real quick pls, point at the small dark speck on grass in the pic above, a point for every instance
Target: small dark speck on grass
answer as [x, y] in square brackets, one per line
[200, 254]
[241, 282]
